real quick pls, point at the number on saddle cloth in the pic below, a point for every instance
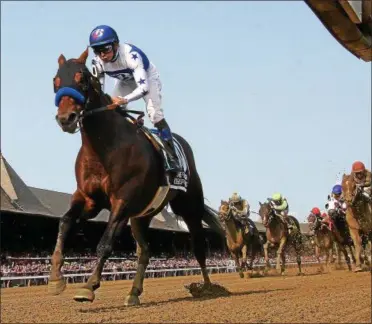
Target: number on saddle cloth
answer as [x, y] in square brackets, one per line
[180, 180]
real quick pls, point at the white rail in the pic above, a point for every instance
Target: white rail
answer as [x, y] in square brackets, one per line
[126, 275]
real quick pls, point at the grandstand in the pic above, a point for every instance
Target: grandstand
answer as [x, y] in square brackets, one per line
[29, 225]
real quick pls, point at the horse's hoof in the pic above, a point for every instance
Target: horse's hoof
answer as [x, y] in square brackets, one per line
[241, 274]
[84, 295]
[357, 269]
[132, 300]
[56, 287]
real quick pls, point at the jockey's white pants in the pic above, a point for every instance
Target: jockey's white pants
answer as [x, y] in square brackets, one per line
[153, 99]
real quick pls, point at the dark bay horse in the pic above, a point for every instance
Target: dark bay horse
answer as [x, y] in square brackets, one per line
[120, 168]
[277, 234]
[239, 242]
[358, 218]
[324, 239]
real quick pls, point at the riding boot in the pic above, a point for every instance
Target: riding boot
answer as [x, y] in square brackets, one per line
[166, 137]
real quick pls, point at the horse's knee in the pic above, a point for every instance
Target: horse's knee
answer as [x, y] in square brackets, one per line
[143, 254]
[104, 249]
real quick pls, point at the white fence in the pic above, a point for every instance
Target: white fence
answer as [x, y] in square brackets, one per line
[7, 282]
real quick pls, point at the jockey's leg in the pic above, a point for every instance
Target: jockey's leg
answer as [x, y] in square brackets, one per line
[367, 193]
[285, 218]
[156, 115]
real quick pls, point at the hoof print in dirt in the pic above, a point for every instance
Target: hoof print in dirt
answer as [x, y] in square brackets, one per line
[198, 290]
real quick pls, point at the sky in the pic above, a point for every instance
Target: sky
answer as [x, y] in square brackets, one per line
[267, 98]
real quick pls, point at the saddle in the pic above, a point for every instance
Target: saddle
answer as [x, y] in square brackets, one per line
[179, 180]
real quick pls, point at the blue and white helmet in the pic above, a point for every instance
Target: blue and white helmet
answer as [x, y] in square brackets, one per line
[337, 189]
[102, 35]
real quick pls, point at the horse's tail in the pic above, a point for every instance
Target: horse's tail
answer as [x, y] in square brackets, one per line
[210, 216]
[299, 239]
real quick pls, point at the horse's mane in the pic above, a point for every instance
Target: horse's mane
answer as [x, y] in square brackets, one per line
[294, 219]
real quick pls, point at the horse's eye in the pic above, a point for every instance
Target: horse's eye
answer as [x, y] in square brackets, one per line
[56, 83]
[78, 77]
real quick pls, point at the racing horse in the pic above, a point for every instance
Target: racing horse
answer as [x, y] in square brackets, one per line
[239, 242]
[324, 239]
[277, 235]
[120, 167]
[358, 218]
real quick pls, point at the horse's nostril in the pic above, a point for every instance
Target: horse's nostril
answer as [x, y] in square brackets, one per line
[71, 118]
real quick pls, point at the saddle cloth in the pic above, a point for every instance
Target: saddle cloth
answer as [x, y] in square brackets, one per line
[179, 180]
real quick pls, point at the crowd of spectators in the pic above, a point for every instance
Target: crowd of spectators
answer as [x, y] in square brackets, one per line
[28, 264]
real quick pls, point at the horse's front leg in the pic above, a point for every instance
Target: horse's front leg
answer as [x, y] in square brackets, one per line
[266, 252]
[244, 256]
[354, 233]
[114, 226]
[56, 283]
[139, 228]
[280, 252]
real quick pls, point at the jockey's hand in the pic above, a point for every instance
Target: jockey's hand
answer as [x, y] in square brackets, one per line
[118, 101]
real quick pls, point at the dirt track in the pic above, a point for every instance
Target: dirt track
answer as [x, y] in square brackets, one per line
[337, 296]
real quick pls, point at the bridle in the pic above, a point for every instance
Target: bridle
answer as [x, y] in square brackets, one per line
[87, 85]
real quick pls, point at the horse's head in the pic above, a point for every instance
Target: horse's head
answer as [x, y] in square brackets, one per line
[314, 221]
[349, 189]
[224, 211]
[266, 213]
[73, 85]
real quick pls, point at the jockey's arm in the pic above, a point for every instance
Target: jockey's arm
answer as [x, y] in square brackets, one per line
[368, 180]
[282, 206]
[245, 210]
[135, 63]
[98, 72]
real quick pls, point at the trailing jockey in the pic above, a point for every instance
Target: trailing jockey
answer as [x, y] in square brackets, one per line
[362, 177]
[281, 208]
[241, 210]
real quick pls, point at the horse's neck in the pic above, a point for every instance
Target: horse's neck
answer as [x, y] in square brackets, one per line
[232, 229]
[105, 131]
[276, 228]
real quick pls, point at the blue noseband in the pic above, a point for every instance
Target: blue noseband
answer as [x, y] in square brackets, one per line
[70, 92]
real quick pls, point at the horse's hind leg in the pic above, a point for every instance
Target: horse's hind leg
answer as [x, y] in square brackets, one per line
[56, 283]
[298, 257]
[346, 256]
[139, 230]
[317, 255]
[192, 213]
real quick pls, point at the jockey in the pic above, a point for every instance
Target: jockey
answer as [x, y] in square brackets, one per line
[362, 177]
[335, 202]
[136, 77]
[241, 209]
[325, 219]
[281, 208]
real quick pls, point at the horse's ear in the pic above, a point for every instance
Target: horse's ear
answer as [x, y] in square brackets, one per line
[83, 57]
[260, 203]
[61, 60]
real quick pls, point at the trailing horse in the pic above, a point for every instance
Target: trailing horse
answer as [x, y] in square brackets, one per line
[277, 235]
[121, 167]
[324, 240]
[358, 218]
[239, 242]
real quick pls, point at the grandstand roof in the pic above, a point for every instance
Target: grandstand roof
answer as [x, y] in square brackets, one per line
[17, 197]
